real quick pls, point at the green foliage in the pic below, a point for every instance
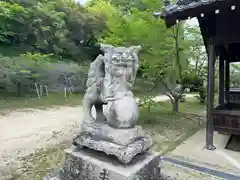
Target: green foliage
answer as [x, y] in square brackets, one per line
[202, 95]
[22, 72]
[37, 57]
[11, 16]
[137, 27]
[235, 75]
[196, 50]
[147, 102]
[198, 63]
[61, 27]
[64, 30]
[170, 79]
[36, 35]
[166, 53]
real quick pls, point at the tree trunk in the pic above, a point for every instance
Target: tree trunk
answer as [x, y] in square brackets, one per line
[18, 86]
[174, 103]
[175, 106]
[149, 108]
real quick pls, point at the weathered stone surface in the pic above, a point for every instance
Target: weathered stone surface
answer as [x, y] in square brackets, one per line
[90, 165]
[122, 137]
[121, 65]
[110, 80]
[123, 113]
[125, 154]
[122, 143]
[92, 95]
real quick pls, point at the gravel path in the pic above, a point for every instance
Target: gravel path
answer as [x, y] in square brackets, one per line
[21, 133]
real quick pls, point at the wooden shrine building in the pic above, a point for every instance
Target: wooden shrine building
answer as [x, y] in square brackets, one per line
[219, 22]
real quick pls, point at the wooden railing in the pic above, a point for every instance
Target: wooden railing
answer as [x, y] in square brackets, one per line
[226, 118]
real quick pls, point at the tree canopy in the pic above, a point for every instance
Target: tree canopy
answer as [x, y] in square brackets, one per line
[62, 27]
[164, 58]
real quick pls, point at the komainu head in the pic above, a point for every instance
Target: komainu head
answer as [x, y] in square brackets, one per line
[121, 56]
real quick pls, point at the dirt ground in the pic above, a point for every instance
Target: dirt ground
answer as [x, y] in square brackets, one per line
[21, 133]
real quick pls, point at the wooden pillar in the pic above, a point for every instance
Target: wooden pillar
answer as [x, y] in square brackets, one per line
[210, 96]
[227, 81]
[221, 81]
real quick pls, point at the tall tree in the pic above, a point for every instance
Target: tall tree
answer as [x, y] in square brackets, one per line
[172, 82]
[198, 61]
[196, 49]
[62, 27]
[130, 25]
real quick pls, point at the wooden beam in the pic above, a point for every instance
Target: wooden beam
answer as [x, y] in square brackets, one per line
[221, 81]
[229, 38]
[210, 96]
[227, 93]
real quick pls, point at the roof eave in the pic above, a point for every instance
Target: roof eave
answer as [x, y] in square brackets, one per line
[163, 15]
[172, 13]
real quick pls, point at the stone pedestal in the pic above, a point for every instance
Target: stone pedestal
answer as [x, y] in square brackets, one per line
[85, 164]
[125, 144]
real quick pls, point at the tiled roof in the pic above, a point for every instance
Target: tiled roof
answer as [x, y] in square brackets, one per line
[183, 5]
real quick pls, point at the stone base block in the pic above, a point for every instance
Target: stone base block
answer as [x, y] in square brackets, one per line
[85, 164]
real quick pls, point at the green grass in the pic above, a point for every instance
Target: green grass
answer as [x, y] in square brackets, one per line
[11, 103]
[169, 129]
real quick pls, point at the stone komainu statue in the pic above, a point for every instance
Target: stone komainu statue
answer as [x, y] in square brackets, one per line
[110, 79]
[109, 83]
